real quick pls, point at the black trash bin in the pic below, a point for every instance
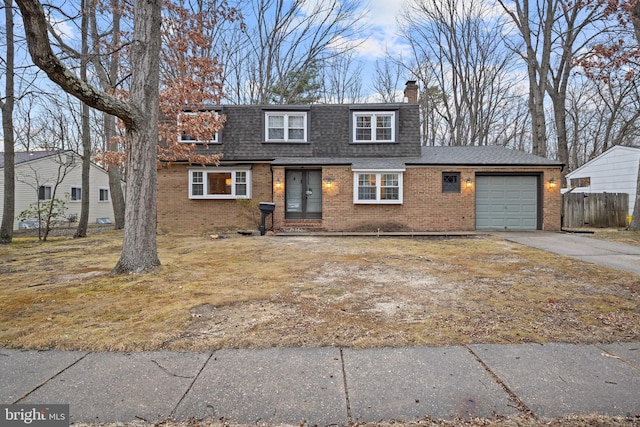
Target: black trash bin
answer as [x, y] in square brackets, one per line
[266, 208]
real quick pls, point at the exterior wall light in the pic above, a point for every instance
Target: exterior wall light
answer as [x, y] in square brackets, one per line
[278, 184]
[328, 183]
[469, 183]
[552, 183]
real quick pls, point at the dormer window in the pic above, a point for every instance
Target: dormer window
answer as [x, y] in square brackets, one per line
[189, 139]
[283, 126]
[374, 126]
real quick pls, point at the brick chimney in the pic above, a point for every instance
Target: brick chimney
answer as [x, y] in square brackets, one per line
[411, 92]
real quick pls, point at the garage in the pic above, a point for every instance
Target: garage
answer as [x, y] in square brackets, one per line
[507, 202]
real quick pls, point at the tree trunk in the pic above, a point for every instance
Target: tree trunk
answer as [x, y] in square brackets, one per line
[83, 220]
[115, 176]
[6, 230]
[635, 221]
[139, 251]
[107, 76]
[140, 117]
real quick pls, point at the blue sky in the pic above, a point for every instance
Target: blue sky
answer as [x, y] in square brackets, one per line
[382, 35]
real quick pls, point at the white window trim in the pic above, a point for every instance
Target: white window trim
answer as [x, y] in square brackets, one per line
[373, 115]
[231, 196]
[214, 140]
[286, 115]
[378, 173]
[108, 195]
[71, 199]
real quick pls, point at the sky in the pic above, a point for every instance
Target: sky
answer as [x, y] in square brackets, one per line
[381, 35]
[381, 18]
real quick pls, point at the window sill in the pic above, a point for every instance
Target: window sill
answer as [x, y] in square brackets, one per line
[378, 202]
[218, 197]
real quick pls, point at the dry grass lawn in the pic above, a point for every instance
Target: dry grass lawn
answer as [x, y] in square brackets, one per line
[616, 235]
[253, 292]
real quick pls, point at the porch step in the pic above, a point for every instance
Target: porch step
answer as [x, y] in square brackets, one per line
[302, 226]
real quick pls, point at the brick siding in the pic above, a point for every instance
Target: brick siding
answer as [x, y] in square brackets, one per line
[425, 207]
[179, 214]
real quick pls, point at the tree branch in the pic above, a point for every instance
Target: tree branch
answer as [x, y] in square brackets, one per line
[35, 25]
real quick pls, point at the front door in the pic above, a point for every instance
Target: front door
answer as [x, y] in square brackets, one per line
[303, 193]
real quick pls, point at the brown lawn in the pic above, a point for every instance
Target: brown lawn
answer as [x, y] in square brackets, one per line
[253, 292]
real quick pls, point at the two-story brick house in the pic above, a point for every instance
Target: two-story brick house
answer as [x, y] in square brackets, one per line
[354, 168]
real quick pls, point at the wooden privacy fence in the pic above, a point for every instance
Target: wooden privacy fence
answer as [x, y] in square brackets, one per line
[598, 210]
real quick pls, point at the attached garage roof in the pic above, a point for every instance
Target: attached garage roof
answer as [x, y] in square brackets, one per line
[485, 155]
[463, 156]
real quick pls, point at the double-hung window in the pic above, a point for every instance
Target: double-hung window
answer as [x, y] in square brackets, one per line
[76, 194]
[185, 137]
[219, 184]
[377, 187]
[103, 194]
[285, 126]
[374, 126]
[45, 192]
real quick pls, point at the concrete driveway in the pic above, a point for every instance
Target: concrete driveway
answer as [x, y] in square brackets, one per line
[615, 255]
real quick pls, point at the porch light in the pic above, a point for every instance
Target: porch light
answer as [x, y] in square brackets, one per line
[552, 183]
[278, 184]
[328, 183]
[469, 183]
[227, 182]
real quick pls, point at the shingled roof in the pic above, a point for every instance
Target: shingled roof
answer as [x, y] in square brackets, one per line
[483, 155]
[27, 156]
[458, 156]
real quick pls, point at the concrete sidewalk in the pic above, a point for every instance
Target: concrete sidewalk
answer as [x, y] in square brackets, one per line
[326, 386]
[580, 246]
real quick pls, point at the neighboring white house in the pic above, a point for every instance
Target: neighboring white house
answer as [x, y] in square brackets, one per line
[614, 171]
[36, 175]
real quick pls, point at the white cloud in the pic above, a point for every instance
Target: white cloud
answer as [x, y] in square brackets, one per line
[381, 20]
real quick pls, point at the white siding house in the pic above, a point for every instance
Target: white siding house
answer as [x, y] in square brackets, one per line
[36, 175]
[614, 171]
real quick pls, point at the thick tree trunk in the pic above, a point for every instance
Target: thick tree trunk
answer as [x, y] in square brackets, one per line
[6, 229]
[140, 116]
[139, 251]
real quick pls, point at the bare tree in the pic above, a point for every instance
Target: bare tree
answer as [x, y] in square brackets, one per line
[388, 75]
[107, 66]
[6, 229]
[81, 230]
[282, 42]
[140, 116]
[535, 24]
[342, 80]
[457, 53]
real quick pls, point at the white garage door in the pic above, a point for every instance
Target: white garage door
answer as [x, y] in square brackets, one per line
[506, 203]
